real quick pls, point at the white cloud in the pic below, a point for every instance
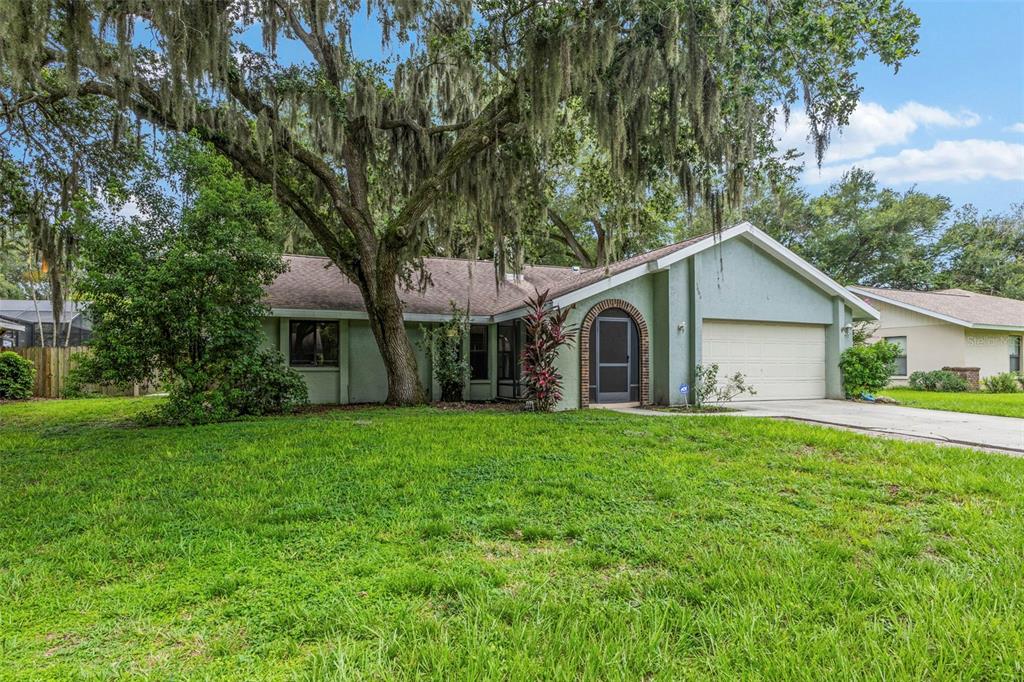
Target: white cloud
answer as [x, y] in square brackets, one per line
[871, 127]
[945, 161]
[1015, 128]
[131, 209]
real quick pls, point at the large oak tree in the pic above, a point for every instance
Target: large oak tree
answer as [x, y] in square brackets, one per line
[453, 117]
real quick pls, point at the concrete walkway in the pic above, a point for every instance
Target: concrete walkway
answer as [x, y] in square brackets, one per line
[1003, 434]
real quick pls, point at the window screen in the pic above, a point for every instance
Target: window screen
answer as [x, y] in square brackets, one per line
[1014, 353]
[313, 343]
[507, 348]
[478, 352]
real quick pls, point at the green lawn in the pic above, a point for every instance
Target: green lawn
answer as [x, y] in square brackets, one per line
[1000, 404]
[383, 544]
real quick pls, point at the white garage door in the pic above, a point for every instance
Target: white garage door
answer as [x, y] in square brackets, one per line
[780, 361]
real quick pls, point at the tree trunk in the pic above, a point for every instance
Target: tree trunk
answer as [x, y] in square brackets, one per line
[395, 347]
[39, 318]
[56, 301]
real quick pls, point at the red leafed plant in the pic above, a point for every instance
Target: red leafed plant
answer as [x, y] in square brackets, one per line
[546, 333]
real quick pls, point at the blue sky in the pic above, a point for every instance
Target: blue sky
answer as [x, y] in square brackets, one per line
[952, 120]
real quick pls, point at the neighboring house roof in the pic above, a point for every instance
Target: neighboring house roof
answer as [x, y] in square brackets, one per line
[314, 283]
[8, 325]
[956, 306]
[24, 312]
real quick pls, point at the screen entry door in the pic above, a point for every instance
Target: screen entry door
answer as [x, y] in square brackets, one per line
[614, 349]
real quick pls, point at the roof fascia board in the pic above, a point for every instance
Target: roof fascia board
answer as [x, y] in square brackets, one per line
[703, 245]
[509, 315]
[317, 314]
[602, 285]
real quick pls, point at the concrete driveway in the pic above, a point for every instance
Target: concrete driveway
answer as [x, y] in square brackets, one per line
[1005, 434]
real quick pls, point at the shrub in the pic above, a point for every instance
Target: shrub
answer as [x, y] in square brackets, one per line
[708, 388]
[1007, 382]
[546, 333]
[444, 343]
[867, 368]
[939, 380]
[262, 383]
[17, 376]
[256, 385]
[185, 406]
[178, 294]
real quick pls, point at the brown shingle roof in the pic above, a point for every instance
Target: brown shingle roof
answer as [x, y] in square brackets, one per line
[968, 306]
[314, 283]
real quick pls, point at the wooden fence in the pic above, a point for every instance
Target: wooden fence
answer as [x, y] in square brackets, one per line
[54, 364]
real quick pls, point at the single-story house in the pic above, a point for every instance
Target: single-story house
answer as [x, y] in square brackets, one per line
[30, 323]
[739, 299]
[975, 333]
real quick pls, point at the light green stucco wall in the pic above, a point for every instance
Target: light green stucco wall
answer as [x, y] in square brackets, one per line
[739, 281]
[360, 376]
[368, 381]
[672, 332]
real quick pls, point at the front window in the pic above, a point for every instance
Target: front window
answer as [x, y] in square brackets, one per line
[1014, 353]
[478, 353]
[313, 343]
[901, 359]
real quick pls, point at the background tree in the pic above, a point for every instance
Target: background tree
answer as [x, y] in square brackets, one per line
[855, 231]
[177, 294]
[862, 234]
[63, 162]
[369, 153]
[591, 213]
[14, 258]
[984, 253]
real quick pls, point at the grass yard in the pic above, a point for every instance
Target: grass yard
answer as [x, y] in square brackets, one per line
[391, 544]
[999, 404]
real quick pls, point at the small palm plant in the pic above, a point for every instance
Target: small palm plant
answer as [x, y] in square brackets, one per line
[547, 332]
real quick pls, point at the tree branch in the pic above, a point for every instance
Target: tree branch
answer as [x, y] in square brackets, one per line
[479, 135]
[391, 124]
[566, 236]
[147, 106]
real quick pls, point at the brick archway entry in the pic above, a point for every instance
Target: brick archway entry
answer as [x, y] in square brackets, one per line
[641, 326]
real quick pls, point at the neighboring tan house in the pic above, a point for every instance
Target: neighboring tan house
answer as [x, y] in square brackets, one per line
[739, 299]
[949, 328]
